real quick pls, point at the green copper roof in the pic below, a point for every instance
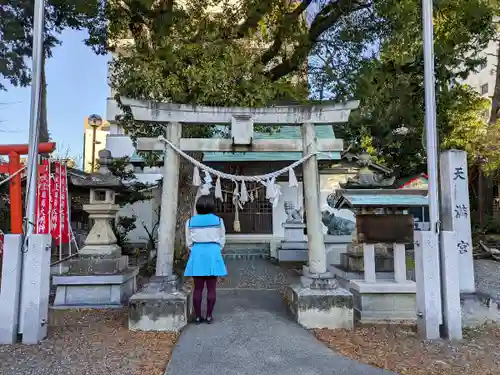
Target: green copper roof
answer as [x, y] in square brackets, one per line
[136, 158]
[285, 132]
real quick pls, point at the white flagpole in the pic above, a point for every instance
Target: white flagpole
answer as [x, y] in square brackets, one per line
[34, 130]
[430, 115]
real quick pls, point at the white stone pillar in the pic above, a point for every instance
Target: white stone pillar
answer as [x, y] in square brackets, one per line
[317, 252]
[428, 281]
[452, 311]
[36, 288]
[399, 263]
[10, 291]
[455, 215]
[369, 263]
[169, 199]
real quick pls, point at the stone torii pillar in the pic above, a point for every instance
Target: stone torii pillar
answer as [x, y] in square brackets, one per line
[242, 122]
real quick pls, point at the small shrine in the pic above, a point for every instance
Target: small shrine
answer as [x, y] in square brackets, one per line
[374, 267]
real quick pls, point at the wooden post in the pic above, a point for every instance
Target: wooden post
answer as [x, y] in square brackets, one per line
[317, 252]
[169, 198]
[16, 196]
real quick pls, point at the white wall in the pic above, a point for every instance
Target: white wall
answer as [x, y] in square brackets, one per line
[295, 195]
[147, 211]
[487, 74]
[119, 145]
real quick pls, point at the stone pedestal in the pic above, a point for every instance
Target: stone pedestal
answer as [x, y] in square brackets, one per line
[353, 259]
[161, 305]
[93, 281]
[294, 247]
[317, 302]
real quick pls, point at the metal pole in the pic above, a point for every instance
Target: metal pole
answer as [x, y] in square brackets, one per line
[435, 313]
[430, 116]
[38, 55]
[94, 131]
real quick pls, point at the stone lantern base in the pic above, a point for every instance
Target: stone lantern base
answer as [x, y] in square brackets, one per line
[95, 281]
[95, 291]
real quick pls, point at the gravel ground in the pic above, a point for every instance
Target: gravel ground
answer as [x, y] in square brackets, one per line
[488, 277]
[258, 274]
[90, 342]
[400, 350]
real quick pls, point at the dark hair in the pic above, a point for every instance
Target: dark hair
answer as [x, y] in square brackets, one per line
[205, 205]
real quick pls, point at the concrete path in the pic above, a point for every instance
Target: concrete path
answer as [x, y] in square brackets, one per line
[252, 334]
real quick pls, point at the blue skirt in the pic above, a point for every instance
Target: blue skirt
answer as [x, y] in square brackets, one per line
[205, 260]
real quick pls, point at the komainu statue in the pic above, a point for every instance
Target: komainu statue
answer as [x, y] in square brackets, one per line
[337, 226]
[293, 216]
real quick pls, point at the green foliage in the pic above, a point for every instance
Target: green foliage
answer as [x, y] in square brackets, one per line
[192, 55]
[135, 191]
[16, 32]
[380, 60]
[366, 144]
[123, 225]
[471, 132]
[491, 225]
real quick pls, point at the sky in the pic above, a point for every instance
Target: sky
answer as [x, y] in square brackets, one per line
[76, 87]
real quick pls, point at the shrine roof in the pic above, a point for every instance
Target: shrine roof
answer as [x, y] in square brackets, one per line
[285, 132]
[351, 198]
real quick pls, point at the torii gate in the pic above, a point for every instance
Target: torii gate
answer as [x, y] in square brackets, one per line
[242, 122]
[15, 192]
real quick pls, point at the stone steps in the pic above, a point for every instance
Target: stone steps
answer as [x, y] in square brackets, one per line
[246, 251]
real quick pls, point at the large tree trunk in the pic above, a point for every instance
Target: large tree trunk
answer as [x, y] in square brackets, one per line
[495, 100]
[44, 128]
[495, 105]
[187, 199]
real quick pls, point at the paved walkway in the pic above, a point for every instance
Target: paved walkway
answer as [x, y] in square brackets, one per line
[253, 335]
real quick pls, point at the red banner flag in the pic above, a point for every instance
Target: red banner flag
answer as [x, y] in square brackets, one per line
[64, 208]
[55, 212]
[43, 199]
[2, 238]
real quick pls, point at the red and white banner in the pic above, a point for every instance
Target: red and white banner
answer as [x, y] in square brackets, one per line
[43, 199]
[64, 207]
[2, 238]
[59, 213]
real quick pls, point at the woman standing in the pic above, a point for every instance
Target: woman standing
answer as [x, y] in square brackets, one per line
[205, 238]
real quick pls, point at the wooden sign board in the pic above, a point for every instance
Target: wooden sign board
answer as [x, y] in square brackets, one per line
[385, 228]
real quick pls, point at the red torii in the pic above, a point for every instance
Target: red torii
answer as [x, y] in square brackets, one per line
[15, 192]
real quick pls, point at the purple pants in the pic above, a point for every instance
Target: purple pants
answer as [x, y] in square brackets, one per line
[199, 285]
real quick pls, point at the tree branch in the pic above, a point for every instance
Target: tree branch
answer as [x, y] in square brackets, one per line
[288, 20]
[325, 19]
[254, 18]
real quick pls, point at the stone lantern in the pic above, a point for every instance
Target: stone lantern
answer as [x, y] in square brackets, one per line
[101, 240]
[101, 275]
